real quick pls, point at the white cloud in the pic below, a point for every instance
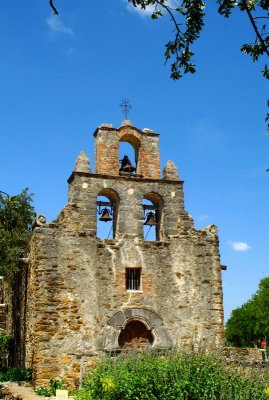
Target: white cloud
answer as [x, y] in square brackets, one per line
[56, 25]
[149, 10]
[240, 246]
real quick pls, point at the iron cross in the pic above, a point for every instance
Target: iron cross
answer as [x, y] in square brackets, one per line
[125, 107]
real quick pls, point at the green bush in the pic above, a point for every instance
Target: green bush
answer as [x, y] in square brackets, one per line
[168, 377]
[10, 374]
[5, 344]
[51, 389]
[15, 374]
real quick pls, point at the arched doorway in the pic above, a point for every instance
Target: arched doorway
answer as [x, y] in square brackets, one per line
[135, 334]
[155, 334]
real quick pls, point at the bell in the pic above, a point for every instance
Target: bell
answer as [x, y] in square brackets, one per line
[150, 219]
[105, 217]
[126, 165]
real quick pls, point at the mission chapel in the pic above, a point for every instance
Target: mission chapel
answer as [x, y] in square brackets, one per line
[153, 281]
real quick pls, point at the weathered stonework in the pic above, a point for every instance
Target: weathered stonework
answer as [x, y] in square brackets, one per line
[145, 144]
[3, 308]
[82, 163]
[77, 301]
[244, 356]
[170, 171]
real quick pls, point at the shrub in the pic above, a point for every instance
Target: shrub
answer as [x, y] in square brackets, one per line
[51, 389]
[178, 376]
[15, 374]
[5, 345]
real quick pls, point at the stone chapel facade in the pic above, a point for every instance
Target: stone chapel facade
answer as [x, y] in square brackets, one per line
[87, 296]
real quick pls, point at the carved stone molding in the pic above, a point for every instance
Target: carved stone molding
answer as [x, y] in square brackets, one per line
[211, 230]
[40, 220]
[150, 319]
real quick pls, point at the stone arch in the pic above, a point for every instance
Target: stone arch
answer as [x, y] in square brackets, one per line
[134, 141]
[114, 198]
[145, 144]
[157, 202]
[111, 194]
[150, 319]
[135, 333]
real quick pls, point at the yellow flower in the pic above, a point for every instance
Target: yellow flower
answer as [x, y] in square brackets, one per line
[108, 385]
[267, 391]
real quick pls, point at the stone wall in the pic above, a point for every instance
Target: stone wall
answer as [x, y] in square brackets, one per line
[77, 301]
[3, 307]
[145, 144]
[8, 301]
[84, 189]
[77, 282]
[244, 356]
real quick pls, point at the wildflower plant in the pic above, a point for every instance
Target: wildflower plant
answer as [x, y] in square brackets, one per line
[177, 376]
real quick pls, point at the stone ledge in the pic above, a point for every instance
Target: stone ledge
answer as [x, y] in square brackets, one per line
[123, 178]
[110, 128]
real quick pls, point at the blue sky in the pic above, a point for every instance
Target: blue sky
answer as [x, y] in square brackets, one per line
[61, 77]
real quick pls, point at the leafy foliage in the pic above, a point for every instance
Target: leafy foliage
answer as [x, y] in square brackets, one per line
[16, 216]
[177, 376]
[15, 374]
[187, 30]
[187, 17]
[51, 389]
[250, 322]
[5, 345]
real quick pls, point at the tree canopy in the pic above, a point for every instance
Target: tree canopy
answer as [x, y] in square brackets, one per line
[250, 322]
[187, 18]
[16, 216]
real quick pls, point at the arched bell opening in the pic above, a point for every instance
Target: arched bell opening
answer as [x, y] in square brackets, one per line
[128, 154]
[135, 334]
[106, 214]
[152, 205]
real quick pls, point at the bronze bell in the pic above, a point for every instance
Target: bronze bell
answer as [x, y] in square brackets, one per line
[106, 215]
[126, 165]
[150, 219]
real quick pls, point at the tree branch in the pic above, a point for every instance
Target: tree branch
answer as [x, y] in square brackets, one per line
[260, 18]
[53, 7]
[265, 48]
[169, 10]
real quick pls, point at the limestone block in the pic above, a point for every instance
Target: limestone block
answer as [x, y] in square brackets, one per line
[170, 171]
[82, 163]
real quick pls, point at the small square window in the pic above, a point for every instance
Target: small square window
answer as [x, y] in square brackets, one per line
[133, 278]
